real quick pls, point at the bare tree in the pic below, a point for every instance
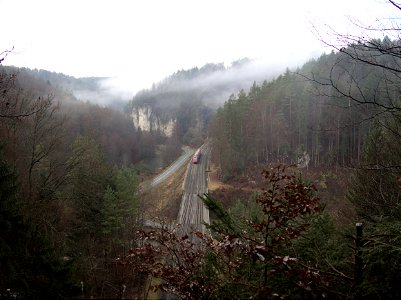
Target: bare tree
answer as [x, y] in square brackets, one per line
[14, 102]
[368, 69]
[362, 80]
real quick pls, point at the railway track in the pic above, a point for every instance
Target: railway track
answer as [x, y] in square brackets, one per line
[193, 213]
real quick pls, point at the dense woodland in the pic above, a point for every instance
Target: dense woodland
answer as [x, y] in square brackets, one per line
[68, 189]
[71, 215]
[282, 119]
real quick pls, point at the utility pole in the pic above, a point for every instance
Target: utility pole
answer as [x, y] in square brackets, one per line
[358, 259]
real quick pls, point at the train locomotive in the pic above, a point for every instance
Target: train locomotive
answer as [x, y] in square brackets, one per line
[196, 156]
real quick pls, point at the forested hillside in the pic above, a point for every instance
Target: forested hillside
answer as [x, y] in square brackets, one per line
[303, 116]
[187, 99]
[67, 189]
[95, 90]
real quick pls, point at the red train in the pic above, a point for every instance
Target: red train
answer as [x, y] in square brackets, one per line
[196, 157]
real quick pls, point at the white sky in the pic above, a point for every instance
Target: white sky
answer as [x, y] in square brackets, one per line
[144, 41]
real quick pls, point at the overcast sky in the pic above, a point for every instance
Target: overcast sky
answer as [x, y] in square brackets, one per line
[145, 41]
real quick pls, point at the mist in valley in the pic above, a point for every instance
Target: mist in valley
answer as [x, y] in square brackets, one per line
[213, 83]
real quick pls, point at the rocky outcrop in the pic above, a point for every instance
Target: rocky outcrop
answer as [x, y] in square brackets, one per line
[144, 118]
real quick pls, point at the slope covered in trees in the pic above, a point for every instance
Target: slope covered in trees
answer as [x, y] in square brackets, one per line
[295, 118]
[111, 128]
[68, 201]
[211, 84]
[87, 89]
[188, 98]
